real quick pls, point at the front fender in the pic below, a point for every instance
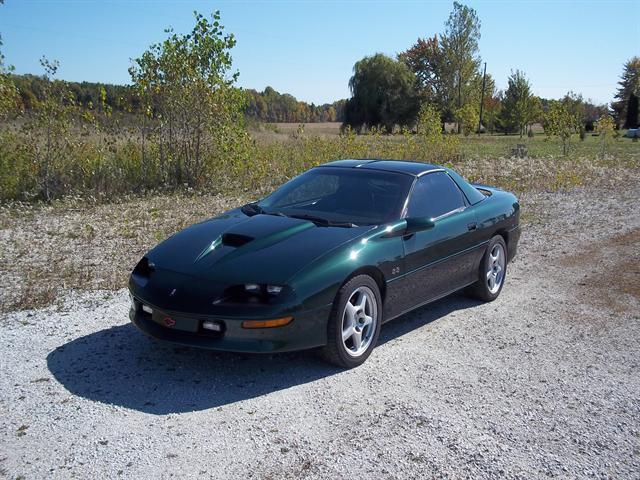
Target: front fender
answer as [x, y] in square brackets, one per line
[319, 282]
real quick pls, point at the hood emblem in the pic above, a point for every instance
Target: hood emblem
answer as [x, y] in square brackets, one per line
[169, 322]
[172, 292]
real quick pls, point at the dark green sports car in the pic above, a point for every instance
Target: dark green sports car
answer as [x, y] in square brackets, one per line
[326, 259]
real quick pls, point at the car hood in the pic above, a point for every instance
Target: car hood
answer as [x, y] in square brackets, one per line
[235, 248]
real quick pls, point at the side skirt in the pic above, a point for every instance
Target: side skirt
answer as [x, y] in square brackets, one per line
[385, 320]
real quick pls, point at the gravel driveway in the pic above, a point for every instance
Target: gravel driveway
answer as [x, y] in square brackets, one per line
[545, 381]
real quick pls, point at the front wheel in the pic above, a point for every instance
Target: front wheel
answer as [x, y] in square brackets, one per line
[354, 324]
[493, 271]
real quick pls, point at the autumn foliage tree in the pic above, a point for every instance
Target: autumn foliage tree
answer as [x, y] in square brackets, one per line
[560, 122]
[446, 66]
[427, 60]
[8, 91]
[605, 126]
[435, 145]
[467, 117]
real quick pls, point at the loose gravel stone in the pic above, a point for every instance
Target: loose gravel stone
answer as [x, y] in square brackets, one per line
[542, 382]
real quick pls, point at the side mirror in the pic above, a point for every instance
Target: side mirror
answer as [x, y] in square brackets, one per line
[418, 224]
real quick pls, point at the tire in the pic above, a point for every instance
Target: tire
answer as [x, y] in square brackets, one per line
[356, 314]
[492, 272]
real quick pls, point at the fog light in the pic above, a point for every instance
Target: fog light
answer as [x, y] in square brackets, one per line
[148, 309]
[276, 322]
[213, 326]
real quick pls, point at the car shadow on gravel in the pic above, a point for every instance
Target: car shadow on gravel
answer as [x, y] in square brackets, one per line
[121, 366]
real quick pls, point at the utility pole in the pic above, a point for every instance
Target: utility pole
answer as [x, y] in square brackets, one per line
[459, 94]
[484, 81]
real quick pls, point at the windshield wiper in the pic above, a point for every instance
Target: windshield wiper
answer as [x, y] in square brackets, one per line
[277, 214]
[252, 209]
[323, 221]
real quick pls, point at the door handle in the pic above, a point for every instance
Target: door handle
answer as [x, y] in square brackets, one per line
[472, 226]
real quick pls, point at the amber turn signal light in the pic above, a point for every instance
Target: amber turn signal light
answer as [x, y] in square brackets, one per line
[276, 322]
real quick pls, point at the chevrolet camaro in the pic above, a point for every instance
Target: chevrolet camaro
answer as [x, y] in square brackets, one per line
[326, 259]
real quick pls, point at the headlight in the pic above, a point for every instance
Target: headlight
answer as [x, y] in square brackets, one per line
[259, 289]
[252, 288]
[274, 289]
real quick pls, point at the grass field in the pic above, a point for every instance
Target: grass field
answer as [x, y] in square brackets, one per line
[485, 145]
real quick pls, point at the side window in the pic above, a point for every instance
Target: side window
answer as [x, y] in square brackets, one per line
[433, 195]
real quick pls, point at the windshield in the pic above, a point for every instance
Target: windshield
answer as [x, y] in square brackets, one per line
[342, 195]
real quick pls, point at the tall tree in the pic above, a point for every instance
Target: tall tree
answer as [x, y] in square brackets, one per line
[519, 106]
[461, 50]
[629, 84]
[447, 67]
[382, 94]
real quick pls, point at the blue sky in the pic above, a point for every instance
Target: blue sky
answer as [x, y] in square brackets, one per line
[308, 48]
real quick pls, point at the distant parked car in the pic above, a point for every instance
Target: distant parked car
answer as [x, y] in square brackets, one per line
[326, 259]
[633, 133]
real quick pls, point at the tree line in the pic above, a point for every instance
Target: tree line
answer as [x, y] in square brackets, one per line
[266, 106]
[271, 106]
[444, 71]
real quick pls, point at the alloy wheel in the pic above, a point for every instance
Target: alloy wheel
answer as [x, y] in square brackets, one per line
[495, 268]
[359, 321]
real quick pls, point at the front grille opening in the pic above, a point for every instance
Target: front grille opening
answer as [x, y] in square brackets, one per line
[235, 239]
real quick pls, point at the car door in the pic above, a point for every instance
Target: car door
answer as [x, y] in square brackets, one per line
[441, 259]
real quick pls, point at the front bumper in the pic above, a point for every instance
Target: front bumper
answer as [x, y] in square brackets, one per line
[307, 330]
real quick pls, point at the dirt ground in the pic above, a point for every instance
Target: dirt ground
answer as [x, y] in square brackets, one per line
[543, 382]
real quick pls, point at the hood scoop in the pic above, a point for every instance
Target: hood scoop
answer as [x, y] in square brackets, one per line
[235, 240]
[250, 236]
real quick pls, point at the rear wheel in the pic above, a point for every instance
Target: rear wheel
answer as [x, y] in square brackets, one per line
[493, 271]
[354, 324]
